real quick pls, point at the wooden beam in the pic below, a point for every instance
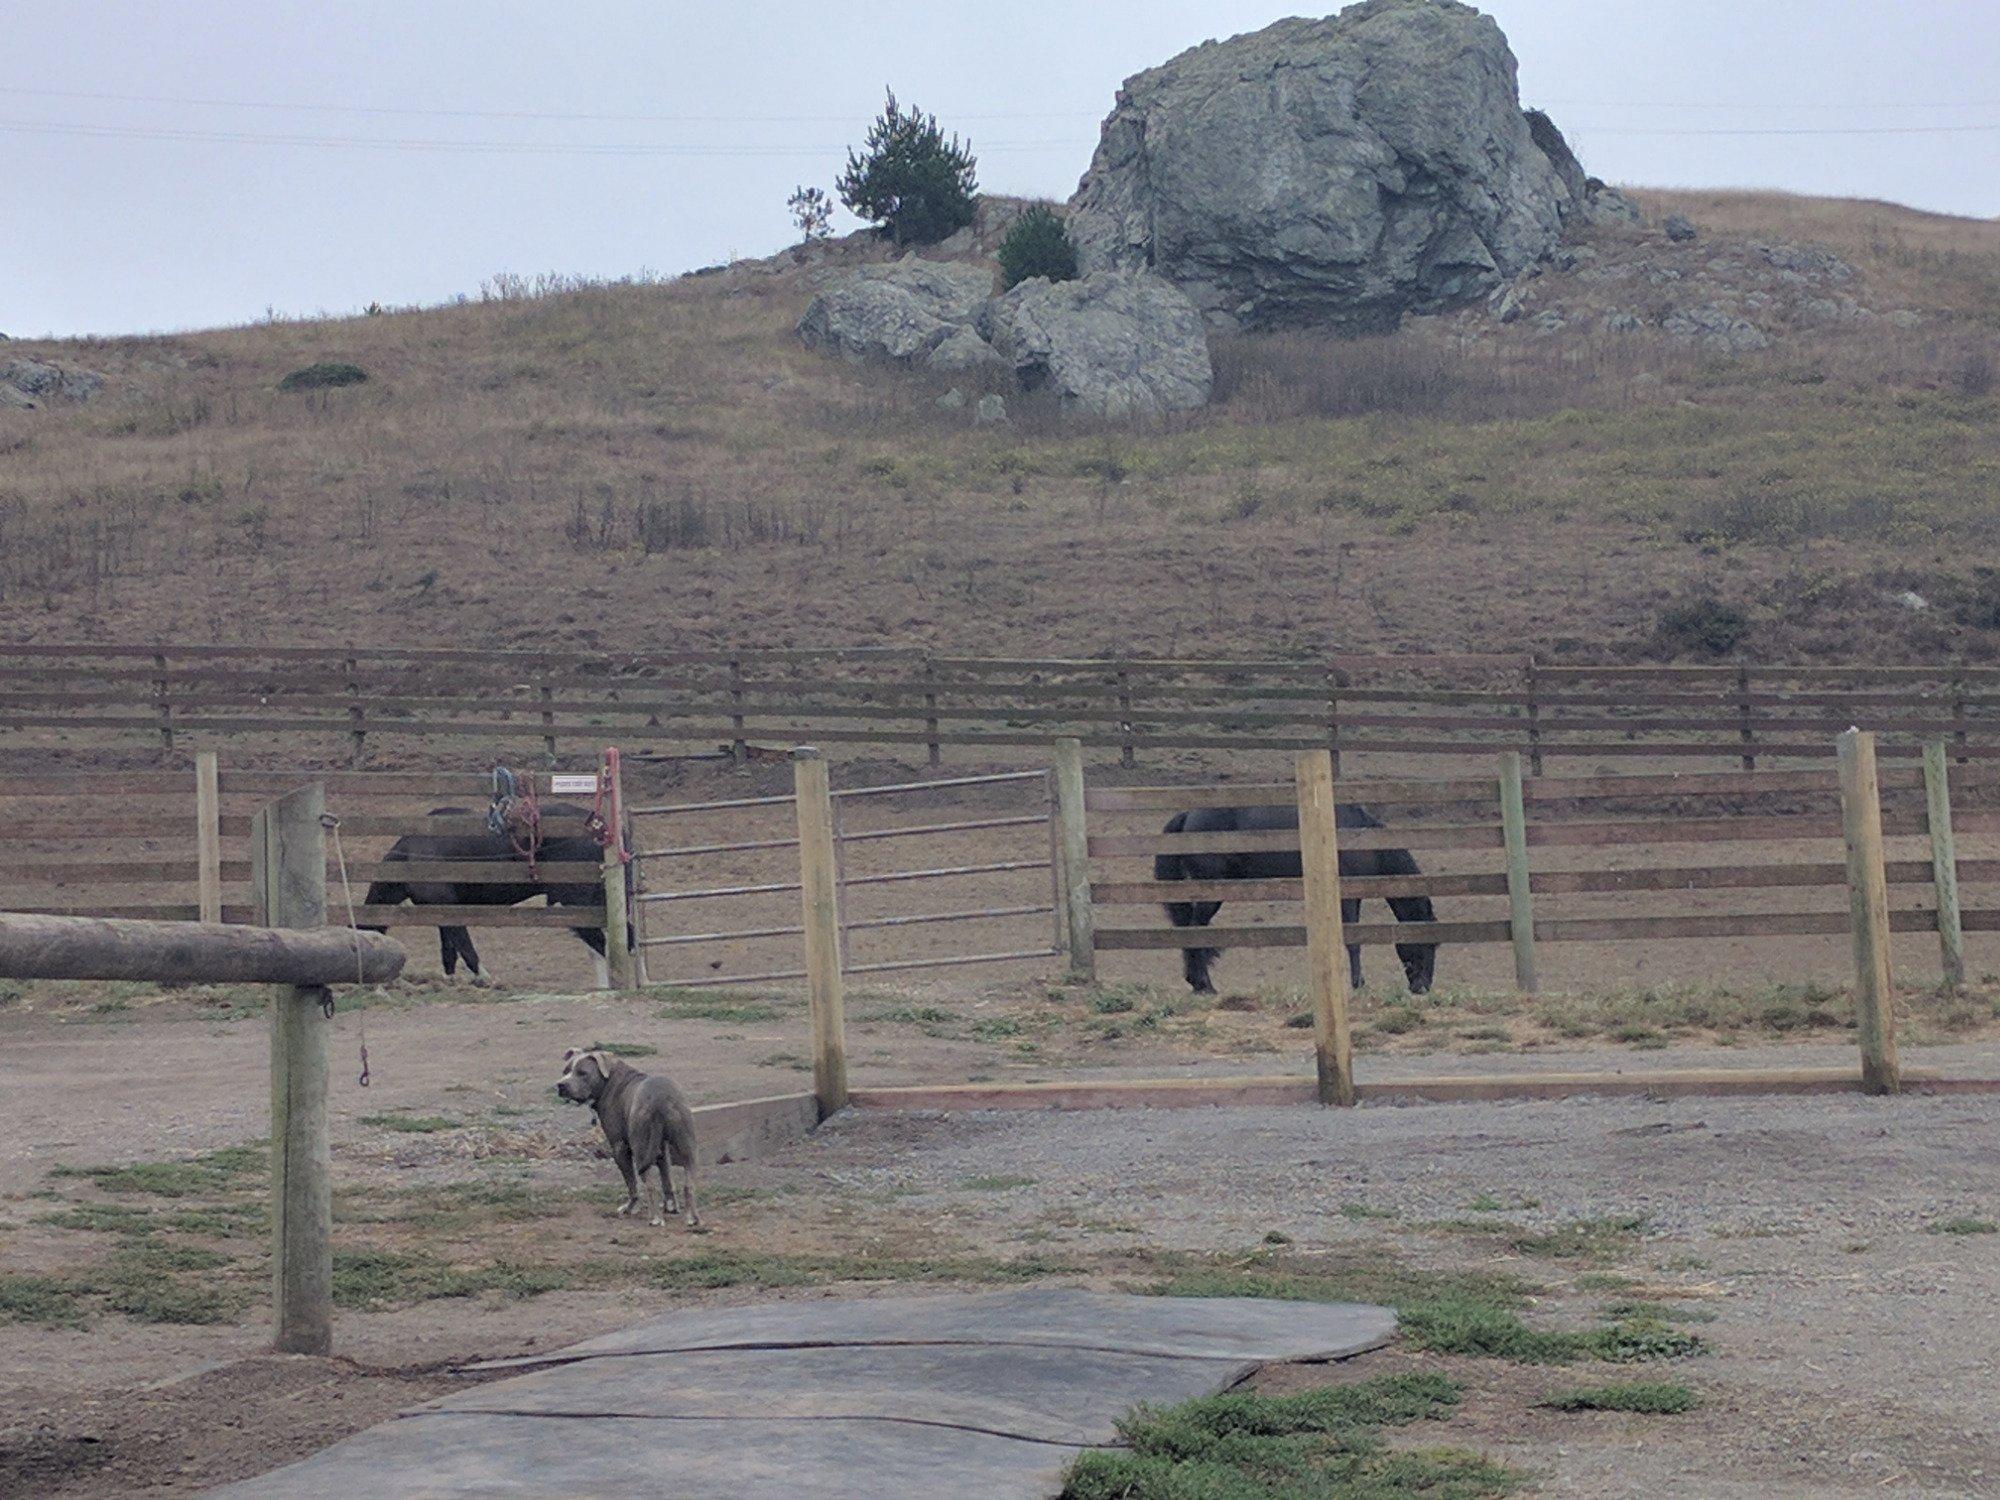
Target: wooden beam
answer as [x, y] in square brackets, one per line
[1520, 896]
[208, 836]
[112, 948]
[618, 947]
[288, 851]
[820, 899]
[1075, 850]
[1868, 899]
[1326, 945]
[1944, 862]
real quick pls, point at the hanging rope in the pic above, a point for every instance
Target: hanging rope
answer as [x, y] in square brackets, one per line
[332, 825]
[516, 815]
[598, 824]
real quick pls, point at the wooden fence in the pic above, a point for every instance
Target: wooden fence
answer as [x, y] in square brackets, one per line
[1504, 820]
[350, 700]
[176, 846]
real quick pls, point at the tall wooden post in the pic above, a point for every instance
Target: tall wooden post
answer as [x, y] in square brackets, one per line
[932, 750]
[163, 705]
[1125, 749]
[1746, 729]
[207, 836]
[1944, 861]
[1868, 897]
[288, 871]
[739, 745]
[1058, 884]
[1326, 936]
[1520, 900]
[1075, 860]
[617, 908]
[357, 713]
[819, 898]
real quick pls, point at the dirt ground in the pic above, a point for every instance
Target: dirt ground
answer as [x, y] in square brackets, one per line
[472, 1216]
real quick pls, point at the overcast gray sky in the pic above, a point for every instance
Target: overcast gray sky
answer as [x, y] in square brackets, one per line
[172, 165]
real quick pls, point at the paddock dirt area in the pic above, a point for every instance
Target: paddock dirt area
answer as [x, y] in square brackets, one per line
[1814, 1277]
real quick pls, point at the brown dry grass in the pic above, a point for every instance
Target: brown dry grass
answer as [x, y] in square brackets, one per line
[663, 464]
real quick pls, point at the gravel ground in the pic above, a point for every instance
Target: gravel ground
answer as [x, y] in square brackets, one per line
[1855, 1346]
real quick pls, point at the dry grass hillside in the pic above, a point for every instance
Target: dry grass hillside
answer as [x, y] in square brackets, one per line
[664, 465]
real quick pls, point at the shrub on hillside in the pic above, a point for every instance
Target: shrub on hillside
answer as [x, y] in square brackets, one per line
[1038, 244]
[1702, 626]
[320, 376]
[909, 179]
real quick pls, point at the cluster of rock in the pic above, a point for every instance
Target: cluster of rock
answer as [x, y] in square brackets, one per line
[28, 383]
[1117, 344]
[1727, 295]
[1341, 173]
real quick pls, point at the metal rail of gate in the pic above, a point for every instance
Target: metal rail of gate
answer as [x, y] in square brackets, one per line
[660, 883]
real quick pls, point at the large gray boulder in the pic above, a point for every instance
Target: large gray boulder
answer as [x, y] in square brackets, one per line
[1341, 171]
[902, 311]
[1117, 344]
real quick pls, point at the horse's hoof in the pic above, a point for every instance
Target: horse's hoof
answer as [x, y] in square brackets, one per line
[658, 1222]
[628, 1210]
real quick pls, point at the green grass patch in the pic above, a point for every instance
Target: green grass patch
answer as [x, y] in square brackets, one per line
[145, 1280]
[996, 1184]
[1583, 1239]
[412, 1124]
[1652, 1398]
[910, 1015]
[214, 1172]
[1318, 1443]
[1963, 1226]
[49, 1301]
[624, 1049]
[706, 1005]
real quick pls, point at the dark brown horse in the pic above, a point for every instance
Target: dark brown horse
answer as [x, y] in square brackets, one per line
[1419, 959]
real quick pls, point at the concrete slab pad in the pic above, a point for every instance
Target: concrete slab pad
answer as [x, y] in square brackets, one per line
[444, 1457]
[987, 1394]
[1049, 1395]
[1066, 1317]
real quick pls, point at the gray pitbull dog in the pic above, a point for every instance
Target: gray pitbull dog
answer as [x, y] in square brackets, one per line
[646, 1123]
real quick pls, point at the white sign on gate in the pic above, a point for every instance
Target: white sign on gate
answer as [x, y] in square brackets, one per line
[574, 783]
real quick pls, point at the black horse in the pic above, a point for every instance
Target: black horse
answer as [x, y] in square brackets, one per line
[455, 943]
[1419, 959]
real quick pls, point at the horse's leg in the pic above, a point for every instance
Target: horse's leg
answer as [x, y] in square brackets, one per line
[1195, 961]
[1419, 959]
[447, 951]
[463, 938]
[1350, 913]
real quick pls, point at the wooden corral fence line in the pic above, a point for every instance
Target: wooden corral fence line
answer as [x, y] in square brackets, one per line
[288, 856]
[179, 846]
[1511, 816]
[722, 701]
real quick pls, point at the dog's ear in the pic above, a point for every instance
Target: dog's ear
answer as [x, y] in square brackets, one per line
[570, 1056]
[604, 1061]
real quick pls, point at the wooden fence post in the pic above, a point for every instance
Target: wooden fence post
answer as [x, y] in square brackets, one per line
[820, 899]
[1868, 898]
[288, 857]
[1326, 937]
[163, 706]
[618, 950]
[1082, 944]
[1126, 754]
[207, 836]
[1532, 696]
[548, 695]
[1058, 884]
[357, 715]
[1334, 682]
[932, 750]
[1745, 729]
[739, 746]
[1520, 900]
[1944, 861]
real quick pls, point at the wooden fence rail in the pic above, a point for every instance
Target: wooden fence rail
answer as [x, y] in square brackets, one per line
[1465, 705]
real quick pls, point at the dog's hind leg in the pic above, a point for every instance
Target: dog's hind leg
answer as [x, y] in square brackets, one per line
[623, 1156]
[687, 1192]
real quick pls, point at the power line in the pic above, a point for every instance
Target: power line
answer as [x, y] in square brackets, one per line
[470, 148]
[516, 114]
[626, 117]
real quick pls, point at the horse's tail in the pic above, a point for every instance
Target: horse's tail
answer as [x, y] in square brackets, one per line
[1168, 866]
[385, 893]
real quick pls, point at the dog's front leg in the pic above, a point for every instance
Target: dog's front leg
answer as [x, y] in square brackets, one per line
[623, 1155]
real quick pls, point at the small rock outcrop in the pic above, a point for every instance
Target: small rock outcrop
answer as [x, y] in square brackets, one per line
[903, 311]
[1120, 344]
[1117, 344]
[1342, 171]
[28, 383]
